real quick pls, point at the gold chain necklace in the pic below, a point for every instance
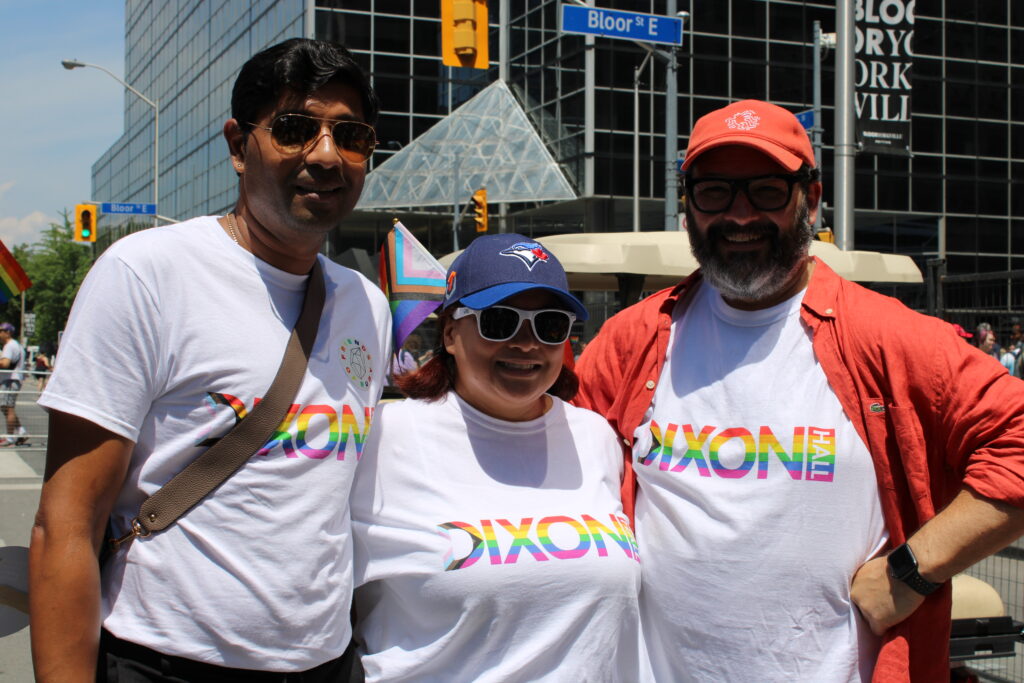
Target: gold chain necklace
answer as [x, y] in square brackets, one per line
[232, 229]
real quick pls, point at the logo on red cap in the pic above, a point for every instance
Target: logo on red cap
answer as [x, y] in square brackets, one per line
[743, 120]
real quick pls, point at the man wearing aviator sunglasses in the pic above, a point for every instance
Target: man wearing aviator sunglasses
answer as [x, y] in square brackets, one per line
[784, 430]
[293, 134]
[254, 582]
[301, 162]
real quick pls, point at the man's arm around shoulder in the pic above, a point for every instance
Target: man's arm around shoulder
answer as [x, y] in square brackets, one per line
[85, 470]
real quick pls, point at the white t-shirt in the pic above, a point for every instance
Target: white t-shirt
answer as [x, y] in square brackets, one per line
[489, 550]
[757, 503]
[175, 332]
[12, 352]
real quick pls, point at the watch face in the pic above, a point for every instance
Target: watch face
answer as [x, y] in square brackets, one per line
[902, 562]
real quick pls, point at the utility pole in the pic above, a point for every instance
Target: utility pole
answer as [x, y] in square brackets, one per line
[636, 139]
[845, 146]
[822, 42]
[671, 132]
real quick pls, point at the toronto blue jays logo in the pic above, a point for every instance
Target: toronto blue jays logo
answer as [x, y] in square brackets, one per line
[530, 253]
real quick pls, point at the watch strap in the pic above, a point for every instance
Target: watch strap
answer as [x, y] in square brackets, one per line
[911, 576]
[920, 584]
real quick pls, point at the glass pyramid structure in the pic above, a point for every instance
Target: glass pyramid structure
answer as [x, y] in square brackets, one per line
[487, 142]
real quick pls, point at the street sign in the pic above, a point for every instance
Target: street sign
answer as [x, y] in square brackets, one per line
[122, 207]
[646, 28]
[806, 119]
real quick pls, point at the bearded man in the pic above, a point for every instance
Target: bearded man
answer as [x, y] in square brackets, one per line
[805, 481]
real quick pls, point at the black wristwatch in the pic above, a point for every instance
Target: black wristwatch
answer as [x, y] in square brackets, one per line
[903, 566]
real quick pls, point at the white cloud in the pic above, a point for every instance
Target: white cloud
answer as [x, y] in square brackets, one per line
[56, 123]
[28, 229]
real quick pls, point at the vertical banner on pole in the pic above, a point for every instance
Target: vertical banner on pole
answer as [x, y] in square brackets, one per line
[884, 54]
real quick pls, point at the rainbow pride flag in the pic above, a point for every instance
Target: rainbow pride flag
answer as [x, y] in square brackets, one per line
[412, 279]
[13, 280]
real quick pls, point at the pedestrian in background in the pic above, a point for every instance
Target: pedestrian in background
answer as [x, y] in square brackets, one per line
[41, 369]
[12, 361]
[988, 345]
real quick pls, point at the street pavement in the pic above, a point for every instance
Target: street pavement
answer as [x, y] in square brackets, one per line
[21, 476]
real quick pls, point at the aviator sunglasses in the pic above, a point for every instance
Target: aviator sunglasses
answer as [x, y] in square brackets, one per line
[296, 133]
[500, 323]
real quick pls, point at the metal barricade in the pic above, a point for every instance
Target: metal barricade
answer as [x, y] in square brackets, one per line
[1004, 571]
[29, 414]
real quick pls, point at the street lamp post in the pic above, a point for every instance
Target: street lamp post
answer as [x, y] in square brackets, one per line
[70, 64]
[636, 139]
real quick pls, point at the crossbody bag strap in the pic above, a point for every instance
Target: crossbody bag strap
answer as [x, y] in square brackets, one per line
[225, 457]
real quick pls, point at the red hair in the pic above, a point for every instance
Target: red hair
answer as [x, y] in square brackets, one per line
[436, 377]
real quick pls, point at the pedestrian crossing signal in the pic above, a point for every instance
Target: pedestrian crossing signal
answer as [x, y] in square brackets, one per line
[85, 222]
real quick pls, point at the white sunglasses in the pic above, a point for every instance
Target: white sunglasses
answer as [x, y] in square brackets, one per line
[500, 323]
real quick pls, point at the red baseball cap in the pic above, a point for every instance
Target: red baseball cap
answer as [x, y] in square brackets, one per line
[961, 331]
[764, 126]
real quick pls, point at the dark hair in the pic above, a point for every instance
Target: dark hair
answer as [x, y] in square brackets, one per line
[299, 65]
[809, 175]
[436, 377]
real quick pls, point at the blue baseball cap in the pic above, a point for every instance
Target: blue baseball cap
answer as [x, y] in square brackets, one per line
[496, 267]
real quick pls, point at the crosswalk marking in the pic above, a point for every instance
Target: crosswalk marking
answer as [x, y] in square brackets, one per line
[13, 467]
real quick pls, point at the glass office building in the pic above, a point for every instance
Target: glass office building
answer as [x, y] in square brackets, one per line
[958, 193]
[185, 55]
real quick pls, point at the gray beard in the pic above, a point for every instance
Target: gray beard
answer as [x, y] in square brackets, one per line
[748, 277]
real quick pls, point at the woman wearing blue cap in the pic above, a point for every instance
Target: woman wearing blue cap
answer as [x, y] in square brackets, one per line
[490, 542]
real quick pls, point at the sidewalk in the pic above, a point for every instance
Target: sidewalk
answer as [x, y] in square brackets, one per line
[20, 481]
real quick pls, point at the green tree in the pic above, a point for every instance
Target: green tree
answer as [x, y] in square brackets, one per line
[56, 264]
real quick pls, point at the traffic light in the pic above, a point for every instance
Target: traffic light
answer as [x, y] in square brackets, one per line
[464, 33]
[480, 209]
[826, 235]
[85, 222]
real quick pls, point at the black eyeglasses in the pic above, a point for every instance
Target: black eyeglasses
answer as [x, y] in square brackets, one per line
[765, 192]
[295, 133]
[500, 323]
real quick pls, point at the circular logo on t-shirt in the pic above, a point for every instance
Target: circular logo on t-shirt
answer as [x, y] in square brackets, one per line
[357, 362]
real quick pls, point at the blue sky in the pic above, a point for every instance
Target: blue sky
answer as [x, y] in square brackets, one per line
[55, 123]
